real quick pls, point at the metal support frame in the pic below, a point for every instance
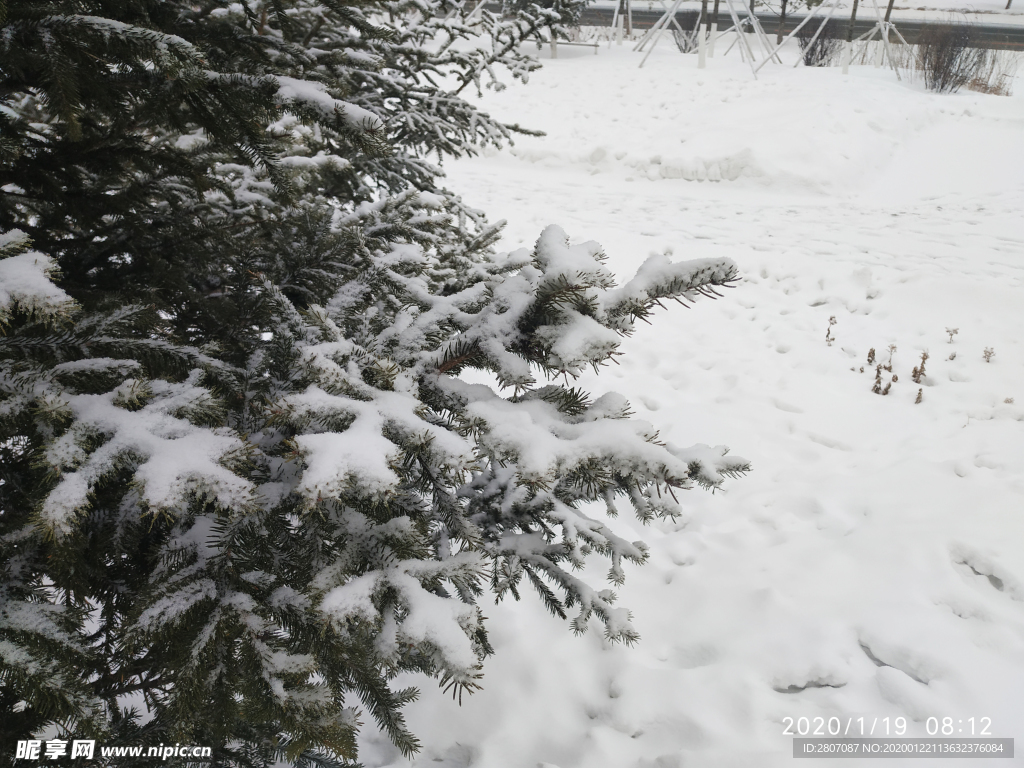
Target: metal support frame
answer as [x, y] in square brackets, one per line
[668, 17]
[832, 4]
[746, 52]
[737, 27]
[452, 14]
[620, 20]
[883, 27]
[654, 33]
[821, 28]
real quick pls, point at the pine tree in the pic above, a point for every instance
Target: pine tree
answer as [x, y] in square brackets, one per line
[558, 17]
[242, 486]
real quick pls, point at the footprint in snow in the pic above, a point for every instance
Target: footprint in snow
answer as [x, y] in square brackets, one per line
[800, 687]
[980, 569]
[650, 403]
[911, 663]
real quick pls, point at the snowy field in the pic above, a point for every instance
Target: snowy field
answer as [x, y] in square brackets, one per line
[872, 564]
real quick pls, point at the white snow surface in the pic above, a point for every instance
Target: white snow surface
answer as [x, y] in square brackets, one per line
[25, 280]
[871, 565]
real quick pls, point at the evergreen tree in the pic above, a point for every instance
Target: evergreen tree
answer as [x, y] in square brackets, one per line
[561, 16]
[242, 486]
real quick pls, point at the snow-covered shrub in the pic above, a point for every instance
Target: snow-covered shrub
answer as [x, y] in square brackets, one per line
[949, 57]
[562, 17]
[824, 48]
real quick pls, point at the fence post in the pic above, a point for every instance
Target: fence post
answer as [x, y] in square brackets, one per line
[702, 35]
[714, 31]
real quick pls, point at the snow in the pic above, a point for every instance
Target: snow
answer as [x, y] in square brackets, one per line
[173, 458]
[437, 621]
[870, 565]
[315, 95]
[25, 280]
[360, 454]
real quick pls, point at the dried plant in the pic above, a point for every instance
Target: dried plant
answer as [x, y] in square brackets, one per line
[871, 356]
[878, 389]
[996, 76]
[823, 50]
[988, 354]
[918, 373]
[952, 332]
[828, 334]
[949, 56]
[952, 356]
[1008, 401]
[920, 396]
[892, 350]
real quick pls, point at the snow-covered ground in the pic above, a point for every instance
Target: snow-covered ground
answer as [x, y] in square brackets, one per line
[872, 564]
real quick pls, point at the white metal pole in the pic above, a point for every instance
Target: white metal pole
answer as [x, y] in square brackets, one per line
[758, 30]
[790, 36]
[650, 33]
[741, 37]
[670, 13]
[675, 21]
[713, 30]
[831, 10]
[649, 50]
[692, 37]
[476, 8]
[883, 33]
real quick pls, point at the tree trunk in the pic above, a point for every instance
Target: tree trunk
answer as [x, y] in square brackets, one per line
[702, 33]
[714, 30]
[853, 20]
[848, 47]
[782, 24]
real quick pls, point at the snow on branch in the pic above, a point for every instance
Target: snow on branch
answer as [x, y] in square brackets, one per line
[658, 278]
[560, 311]
[294, 92]
[26, 280]
[172, 458]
